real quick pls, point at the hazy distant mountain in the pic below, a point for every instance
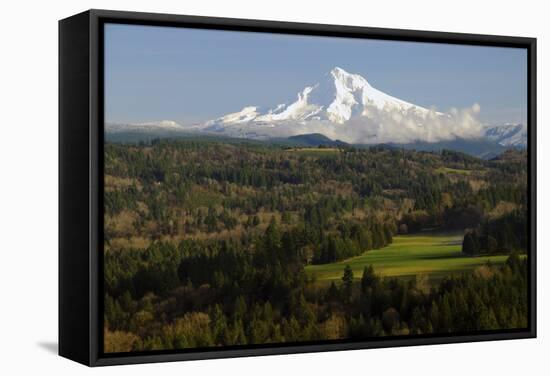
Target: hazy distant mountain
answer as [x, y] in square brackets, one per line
[146, 127]
[480, 148]
[508, 135]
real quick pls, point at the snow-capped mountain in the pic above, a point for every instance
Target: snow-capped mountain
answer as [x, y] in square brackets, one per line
[508, 135]
[347, 107]
[338, 98]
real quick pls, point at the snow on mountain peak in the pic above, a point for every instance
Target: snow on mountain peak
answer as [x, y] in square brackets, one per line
[298, 110]
[349, 80]
[344, 105]
[341, 96]
[347, 96]
[246, 114]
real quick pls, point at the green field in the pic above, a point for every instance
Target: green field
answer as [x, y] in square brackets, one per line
[433, 255]
[448, 170]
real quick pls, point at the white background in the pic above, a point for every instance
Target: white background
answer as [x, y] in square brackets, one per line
[28, 186]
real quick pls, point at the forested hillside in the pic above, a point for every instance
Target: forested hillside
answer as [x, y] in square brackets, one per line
[206, 242]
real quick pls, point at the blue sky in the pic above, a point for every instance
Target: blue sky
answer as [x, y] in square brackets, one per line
[188, 75]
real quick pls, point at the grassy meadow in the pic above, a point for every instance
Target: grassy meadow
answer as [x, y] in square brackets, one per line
[431, 254]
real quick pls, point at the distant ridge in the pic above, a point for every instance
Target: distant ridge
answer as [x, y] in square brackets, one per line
[315, 139]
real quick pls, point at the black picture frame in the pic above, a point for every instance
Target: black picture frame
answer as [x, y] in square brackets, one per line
[81, 182]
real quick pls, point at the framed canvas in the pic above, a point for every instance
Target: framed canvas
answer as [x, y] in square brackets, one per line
[235, 187]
